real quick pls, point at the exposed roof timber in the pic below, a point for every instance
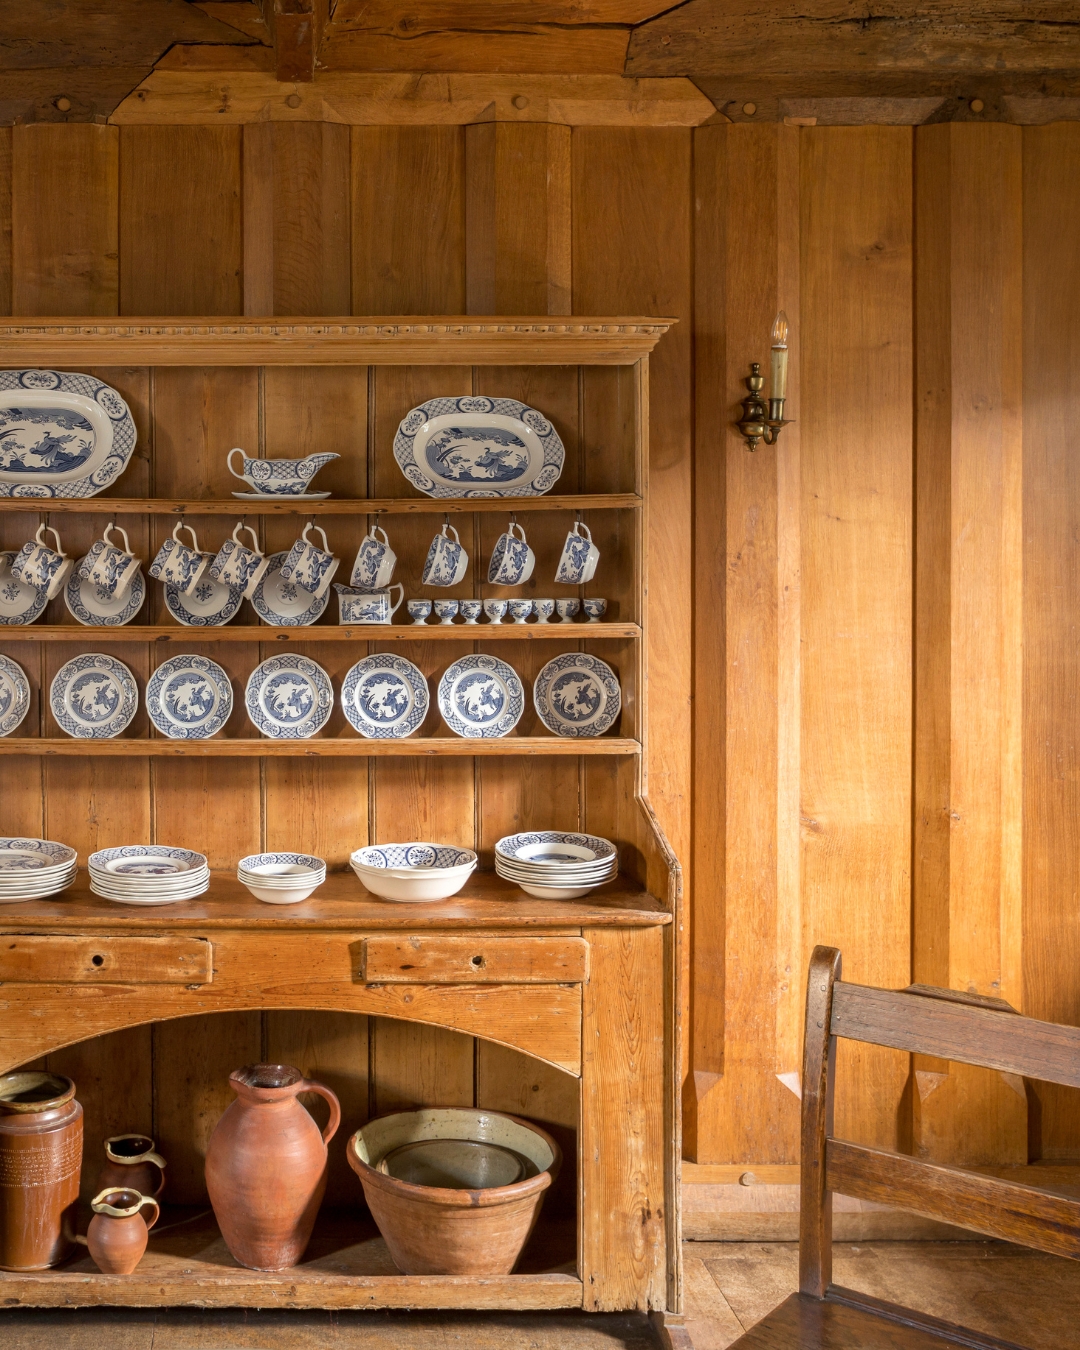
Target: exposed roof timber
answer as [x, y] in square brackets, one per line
[405, 19]
[296, 29]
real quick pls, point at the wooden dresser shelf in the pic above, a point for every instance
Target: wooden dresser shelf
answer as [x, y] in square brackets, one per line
[175, 635]
[355, 747]
[328, 506]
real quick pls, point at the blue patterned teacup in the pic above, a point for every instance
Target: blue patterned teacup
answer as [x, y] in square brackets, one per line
[446, 610]
[419, 610]
[512, 560]
[495, 609]
[177, 563]
[240, 566]
[367, 606]
[447, 561]
[471, 610]
[594, 607]
[544, 610]
[567, 609]
[41, 566]
[375, 561]
[111, 568]
[579, 557]
[519, 609]
[308, 566]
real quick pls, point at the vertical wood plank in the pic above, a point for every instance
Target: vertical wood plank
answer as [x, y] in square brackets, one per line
[856, 581]
[5, 219]
[417, 1065]
[64, 210]
[968, 634]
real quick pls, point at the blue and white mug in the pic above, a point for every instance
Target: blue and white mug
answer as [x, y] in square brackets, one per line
[309, 566]
[512, 560]
[240, 566]
[375, 562]
[579, 557]
[177, 563]
[109, 566]
[367, 606]
[43, 567]
[447, 561]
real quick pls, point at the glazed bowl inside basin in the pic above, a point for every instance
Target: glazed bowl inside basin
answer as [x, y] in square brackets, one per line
[454, 1230]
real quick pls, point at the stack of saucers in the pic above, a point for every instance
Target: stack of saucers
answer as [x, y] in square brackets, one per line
[148, 874]
[31, 869]
[415, 872]
[281, 878]
[553, 865]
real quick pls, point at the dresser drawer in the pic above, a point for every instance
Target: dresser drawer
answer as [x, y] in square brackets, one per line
[75, 959]
[416, 959]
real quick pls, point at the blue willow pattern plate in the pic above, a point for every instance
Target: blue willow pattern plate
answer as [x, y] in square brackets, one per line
[61, 434]
[19, 602]
[475, 446]
[14, 695]
[481, 697]
[385, 697]
[93, 606]
[577, 695]
[289, 697]
[189, 697]
[94, 697]
[285, 603]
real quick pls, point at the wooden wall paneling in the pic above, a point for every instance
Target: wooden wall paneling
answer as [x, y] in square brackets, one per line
[1051, 708]
[5, 219]
[856, 531]
[966, 902]
[417, 1064]
[64, 210]
[193, 1057]
[408, 220]
[181, 246]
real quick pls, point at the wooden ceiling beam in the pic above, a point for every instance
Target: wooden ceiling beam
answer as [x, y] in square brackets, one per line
[407, 19]
[296, 29]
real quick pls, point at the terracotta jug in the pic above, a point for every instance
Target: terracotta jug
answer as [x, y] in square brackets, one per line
[132, 1165]
[266, 1166]
[41, 1135]
[118, 1235]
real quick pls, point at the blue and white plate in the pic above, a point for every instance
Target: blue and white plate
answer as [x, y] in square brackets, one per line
[385, 697]
[19, 602]
[147, 860]
[481, 696]
[209, 605]
[412, 856]
[285, 603]
[577, 695]
[475, 446]
[34, 855]
[61, 434]
[96, 608]
[14, 695]
[289, 697]
[94, 697]
[556, 848]
[189, 697]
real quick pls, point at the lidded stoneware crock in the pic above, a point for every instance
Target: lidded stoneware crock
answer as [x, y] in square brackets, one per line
[41, 1138]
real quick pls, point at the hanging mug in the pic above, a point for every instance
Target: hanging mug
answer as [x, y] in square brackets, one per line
[447, 561]
[178, 564]
[108, 566]
[512, 560]
[308, 566]
[579, 557]
[375, 562]
[41, 566]
[238, 565]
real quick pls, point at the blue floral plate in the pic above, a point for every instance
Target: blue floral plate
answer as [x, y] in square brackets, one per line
[385, 697]
[577, 695]
[481, 696]
[94, 697]
[289, 697]
[189, 697]
[96, 608]
[285, 603]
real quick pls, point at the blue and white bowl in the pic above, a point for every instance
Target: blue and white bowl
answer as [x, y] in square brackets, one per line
[556, 865]
[414, 872]
[281, 878]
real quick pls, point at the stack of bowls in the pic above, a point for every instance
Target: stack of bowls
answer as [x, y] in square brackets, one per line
[148, 874]
[413, 872]
[555, 865]
[31, 869]
[281, 878]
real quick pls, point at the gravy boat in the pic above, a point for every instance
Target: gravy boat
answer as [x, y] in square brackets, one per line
[279, 477]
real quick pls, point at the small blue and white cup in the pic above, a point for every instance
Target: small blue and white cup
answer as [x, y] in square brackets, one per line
[419, 610]
[495, 610]
[471, 610]
[577, 564]
[544, 610]
[594, 607]
[43, 567]
[519, 610]
[108, 566]
[240, 566]
[512, 560]
[310, 566]
[375, 562]
[178, 564]
[367, 606]
[446, 610]
[447, 562]
[567, 610]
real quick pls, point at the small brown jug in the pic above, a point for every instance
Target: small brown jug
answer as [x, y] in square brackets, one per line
[132, 1166]
[41, 1136]
[118, 1235]
[266, 1166]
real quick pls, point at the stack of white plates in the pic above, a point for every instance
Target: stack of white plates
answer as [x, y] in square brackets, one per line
[553, 865]
[281, 878]
[413, 872]
[31, 869]
[148, 874]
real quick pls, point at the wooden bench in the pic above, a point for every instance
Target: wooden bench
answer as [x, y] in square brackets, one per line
[926, 1021]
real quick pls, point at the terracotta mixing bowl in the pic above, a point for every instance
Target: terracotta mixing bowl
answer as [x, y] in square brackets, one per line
[436, 1230]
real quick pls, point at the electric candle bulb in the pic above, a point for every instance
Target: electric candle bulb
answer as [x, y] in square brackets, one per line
[778, 370]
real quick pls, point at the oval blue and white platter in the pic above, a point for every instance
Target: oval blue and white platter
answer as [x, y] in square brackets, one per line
[481, 697]
[577, 695]
[93, 697]
[189, 697]
[62, 434]
[475, 446]
[289, 697]
[385, 697]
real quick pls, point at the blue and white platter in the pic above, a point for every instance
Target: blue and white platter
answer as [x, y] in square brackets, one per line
[210, 604]
[577, 695]
[19, 603]
[14, 695]
[96, 608]
[94, 697]
[285, 603]
[189, 697]
[475, 446]
[289, 697]
[481, 697]
[385, 697]
[61, 434]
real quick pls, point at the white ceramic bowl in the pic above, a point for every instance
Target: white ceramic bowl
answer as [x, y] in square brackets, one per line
[422, 885]
[280, 896]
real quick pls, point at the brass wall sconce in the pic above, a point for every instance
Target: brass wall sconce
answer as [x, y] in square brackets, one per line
[758, 422]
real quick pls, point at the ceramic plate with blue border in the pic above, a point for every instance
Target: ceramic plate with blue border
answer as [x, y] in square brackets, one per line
[289, 697]
[286, 604]
[189, 697]
[209, 605]
[385, 697]
[93, 697]
[14, 695]
[19, 602]
[93, 606]
[481, 697]
[577, 695]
